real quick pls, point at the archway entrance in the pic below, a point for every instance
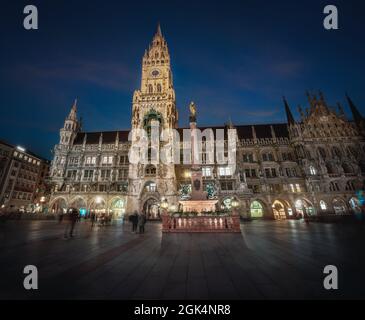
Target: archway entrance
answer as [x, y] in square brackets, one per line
[304, 208]
[98, 206]
[59, 206]
[256, 209]
[80, 205]
[117, 208]
[280, 208]
[355, 205]
[151, 209]
[339, 206]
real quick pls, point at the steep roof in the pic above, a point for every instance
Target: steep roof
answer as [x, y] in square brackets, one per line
[263, 131]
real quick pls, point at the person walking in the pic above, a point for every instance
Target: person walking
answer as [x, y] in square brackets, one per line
[134, 220]
[72, 218]
[93, 219]
[141, 222]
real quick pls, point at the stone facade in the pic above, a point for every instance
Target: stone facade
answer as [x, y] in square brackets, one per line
[23, 185]
[311, 166]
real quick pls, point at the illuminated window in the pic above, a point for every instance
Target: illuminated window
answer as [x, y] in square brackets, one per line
[225, 171]
[151, 187]
[312, 170]
[107, 159]
[256, 210]
[207, 171]
[323, 205]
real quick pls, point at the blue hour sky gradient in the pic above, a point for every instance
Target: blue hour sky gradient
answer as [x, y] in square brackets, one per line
[234, 59]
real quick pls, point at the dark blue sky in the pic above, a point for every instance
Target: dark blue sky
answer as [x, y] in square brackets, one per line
[233, 58]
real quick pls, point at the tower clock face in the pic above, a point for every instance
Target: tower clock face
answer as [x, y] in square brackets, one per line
[155, 73]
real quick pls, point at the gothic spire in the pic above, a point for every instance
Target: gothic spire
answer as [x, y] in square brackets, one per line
[158, 32]
[289, 115]
[72, 115]
[355, 112]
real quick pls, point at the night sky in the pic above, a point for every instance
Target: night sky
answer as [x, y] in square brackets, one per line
[235, 59]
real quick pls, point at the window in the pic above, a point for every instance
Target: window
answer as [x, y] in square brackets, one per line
[150, 88]
[248, 157]
[350, 186]
[226, 185]
[123, 174]
[287, 156]
[207, 171]
[159, 89]
[336, 152]
[105, 174]
[267, 157]
[151, 187]
[347, 168]
[150, 170]
[90, 160]
[323, 205]
[322, 153]
[334, 186]
[225, 171]
[273, 172]
[312, 170]
[88, 174]
[107, 159]
[71, 174]
[123, 160]
[270, 173]
[256, 210]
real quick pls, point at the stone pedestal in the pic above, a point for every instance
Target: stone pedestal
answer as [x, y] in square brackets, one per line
[199, 206]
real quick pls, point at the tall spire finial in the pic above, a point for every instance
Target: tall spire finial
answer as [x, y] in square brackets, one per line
[355, 112]
[72, 115]
[289, 115]
[75, 104]
[159, 32]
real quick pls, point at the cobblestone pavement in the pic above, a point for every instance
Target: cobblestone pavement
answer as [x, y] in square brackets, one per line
[268, 260]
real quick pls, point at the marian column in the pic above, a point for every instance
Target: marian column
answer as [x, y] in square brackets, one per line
[196, 170]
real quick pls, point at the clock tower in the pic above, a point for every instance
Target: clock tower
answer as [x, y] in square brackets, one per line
[153, 102]
[157, 91]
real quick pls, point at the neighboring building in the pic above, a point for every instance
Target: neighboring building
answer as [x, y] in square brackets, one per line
[309, 167]
[22, 179]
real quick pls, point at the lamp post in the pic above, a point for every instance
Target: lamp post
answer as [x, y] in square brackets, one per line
[235, 204]
[165, 217]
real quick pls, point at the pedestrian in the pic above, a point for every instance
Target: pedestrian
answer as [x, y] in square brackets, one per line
[141, 222]
[72, 218]
[134, 220]
[93, 219]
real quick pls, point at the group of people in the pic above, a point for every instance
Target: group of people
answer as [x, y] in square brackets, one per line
[138, 221]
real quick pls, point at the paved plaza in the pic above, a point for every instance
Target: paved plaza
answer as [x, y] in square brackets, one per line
[268, 260]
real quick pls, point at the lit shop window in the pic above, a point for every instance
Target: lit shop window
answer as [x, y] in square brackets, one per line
[225, 171]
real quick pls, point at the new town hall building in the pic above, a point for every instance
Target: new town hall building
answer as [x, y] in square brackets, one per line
[311, 166]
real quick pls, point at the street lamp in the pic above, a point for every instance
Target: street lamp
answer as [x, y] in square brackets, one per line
[235, 204]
